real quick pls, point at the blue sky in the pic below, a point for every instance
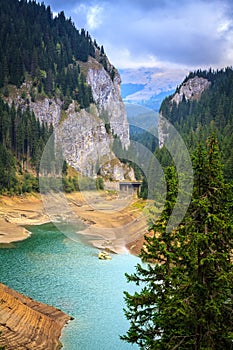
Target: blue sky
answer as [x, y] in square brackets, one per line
[160, 33]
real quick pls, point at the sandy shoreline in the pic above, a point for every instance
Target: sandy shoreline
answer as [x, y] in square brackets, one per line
[16, 213]
[112, 223]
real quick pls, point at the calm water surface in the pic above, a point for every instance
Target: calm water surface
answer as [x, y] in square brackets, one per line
[53, 269]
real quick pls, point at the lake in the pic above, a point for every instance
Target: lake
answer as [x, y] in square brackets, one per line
[51, 268]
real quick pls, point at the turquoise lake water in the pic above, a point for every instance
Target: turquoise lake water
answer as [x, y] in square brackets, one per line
[53, 269]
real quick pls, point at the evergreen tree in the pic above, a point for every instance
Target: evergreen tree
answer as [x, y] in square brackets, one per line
[147, 309]
[22, 140]
[186, 300]
[144, 189]
[33, 44]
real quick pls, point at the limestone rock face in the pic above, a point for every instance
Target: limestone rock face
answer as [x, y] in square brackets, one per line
[106, 93]
[47, 110]
[85, 143]
[163, 130]
[116, 171]
[192, 89]
[85, 135]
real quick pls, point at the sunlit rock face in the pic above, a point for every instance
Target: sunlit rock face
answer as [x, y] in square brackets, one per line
[191, 90]
[106, 94]
[84, 140]
[85, 135]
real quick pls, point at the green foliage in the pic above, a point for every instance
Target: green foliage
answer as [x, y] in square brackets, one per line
[164, 157]
[22, 140]
[144, 137]
[186, 299]
[44, 48]
[64, 168]
[99, 183]
[68, 185]
[144, 189]
[7, 170]
[30, 183]
[87, 184]
[72, 184]
[213, 112]
[51, 184]
[108, 128]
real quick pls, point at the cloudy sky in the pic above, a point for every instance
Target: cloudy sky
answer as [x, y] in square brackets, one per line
[161, 33]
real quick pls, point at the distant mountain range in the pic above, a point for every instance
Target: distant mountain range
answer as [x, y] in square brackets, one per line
[149, 86]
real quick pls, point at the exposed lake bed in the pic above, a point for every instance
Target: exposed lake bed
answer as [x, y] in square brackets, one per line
[57, 263]
[114, 228]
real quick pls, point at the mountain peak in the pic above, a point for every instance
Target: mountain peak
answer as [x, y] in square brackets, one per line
[192, 89]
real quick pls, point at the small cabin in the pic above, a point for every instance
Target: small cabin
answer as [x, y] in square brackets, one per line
[130, 186]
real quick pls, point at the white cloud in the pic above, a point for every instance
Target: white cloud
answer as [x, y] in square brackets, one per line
[88, 17]
[194, 33]
[94, 17]
[123, 58]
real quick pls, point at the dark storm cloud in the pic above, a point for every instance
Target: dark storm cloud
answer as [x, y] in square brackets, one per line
[135, 32]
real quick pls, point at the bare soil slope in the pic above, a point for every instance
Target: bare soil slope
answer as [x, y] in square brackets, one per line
[27, 324]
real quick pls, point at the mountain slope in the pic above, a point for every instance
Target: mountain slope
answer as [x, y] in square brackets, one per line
[61, 76]
[202, 104]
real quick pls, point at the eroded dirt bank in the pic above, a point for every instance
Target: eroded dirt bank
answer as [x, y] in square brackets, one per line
[27, 324]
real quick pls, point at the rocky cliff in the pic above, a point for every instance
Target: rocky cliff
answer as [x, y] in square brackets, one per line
[27, 324]
[84, 139]
[86, 135]
[106, 93]
[191, 89]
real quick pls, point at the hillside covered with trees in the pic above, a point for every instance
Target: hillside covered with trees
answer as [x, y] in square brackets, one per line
[47, 49]
[184, 286]
[45, 52]
[196, 119]
[184, 294]
[22, 140]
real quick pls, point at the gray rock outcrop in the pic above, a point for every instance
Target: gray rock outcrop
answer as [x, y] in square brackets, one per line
[85, 136]
[191, 90]
[107, 96]
[85, 143]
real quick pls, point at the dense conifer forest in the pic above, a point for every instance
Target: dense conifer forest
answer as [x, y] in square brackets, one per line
[185, 300]
[47, 52]
[184, 296]
[33, 43]
[47, 49]
[22, 140]
[213, 112]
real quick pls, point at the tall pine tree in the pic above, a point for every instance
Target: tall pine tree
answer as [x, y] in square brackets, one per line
[187, 297]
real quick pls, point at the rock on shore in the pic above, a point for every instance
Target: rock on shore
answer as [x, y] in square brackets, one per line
[27, 324]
